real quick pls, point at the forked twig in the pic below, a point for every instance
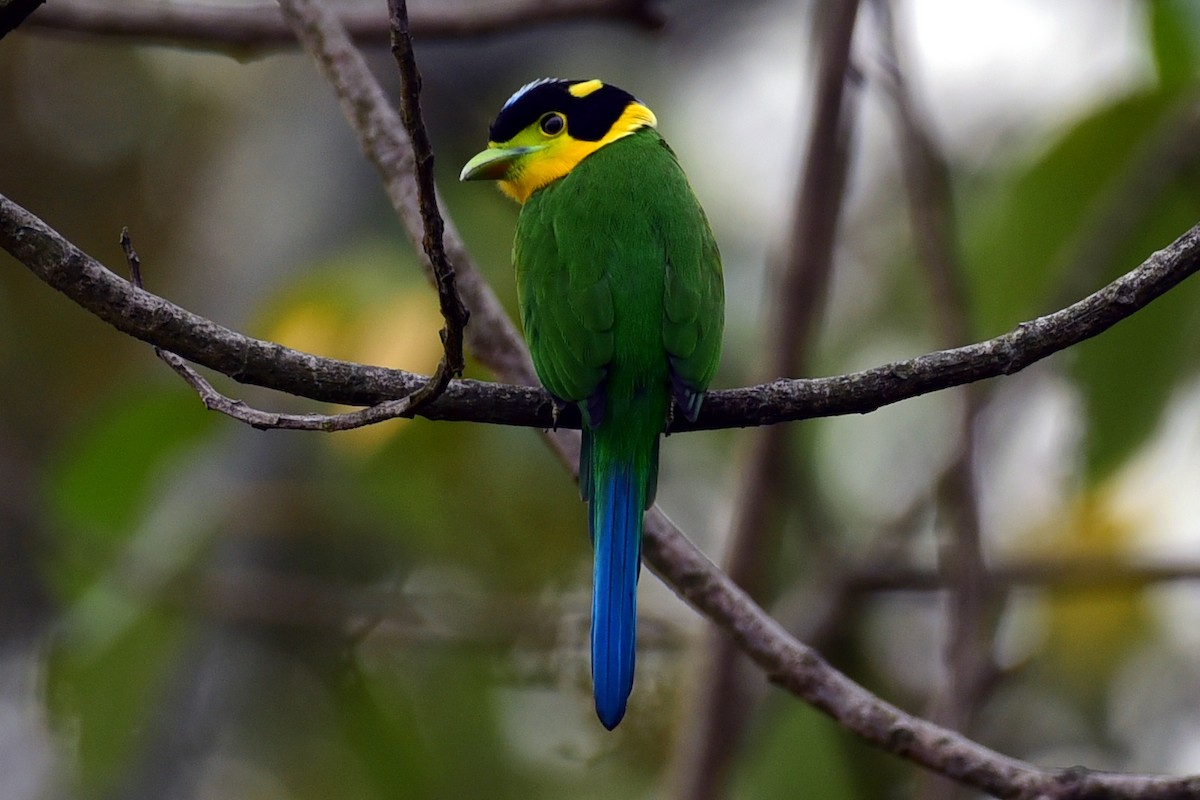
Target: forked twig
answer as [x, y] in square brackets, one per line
[265, 420]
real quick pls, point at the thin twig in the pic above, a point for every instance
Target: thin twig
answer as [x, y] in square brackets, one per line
[145, 316]
[285, 600]
[274, 420]
[242, 28]
[131, 257]
[454, 313]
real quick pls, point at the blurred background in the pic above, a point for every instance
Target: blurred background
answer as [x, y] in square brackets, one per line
[190, 608]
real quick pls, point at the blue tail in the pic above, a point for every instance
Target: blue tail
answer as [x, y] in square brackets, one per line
[615, 518]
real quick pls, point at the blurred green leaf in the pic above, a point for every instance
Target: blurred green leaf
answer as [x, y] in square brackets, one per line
[104, 697]
[394, 754]
[797, 753]
[488, 498]
[1127, 374]
[1062, 211]
[106, 472]
[438, 709]
[1016, 242]
[1175, 35]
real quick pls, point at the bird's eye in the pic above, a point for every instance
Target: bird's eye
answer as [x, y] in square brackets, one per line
[552, 124]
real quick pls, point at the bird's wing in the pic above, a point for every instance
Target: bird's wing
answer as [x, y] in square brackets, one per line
[693, 293]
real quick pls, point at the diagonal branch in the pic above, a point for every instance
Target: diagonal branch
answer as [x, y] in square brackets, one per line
[145, 316]
[801, 671]
[260, 27]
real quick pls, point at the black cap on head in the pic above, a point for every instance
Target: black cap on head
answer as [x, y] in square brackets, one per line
[588, 117]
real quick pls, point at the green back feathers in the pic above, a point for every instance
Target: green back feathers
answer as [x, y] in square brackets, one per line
[625, 224]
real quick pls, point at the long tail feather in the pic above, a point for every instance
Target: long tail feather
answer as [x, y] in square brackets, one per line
[617, 502]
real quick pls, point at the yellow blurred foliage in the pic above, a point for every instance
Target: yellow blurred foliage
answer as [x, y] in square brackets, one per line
[357, 309]
[309, 325]
[1089, 630]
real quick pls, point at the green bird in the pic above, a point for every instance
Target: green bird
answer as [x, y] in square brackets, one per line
[622, 303]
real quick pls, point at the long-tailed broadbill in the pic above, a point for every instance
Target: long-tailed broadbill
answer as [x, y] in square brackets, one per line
[622, 303]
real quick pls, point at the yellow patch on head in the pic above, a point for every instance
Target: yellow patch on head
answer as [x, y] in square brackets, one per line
[584, 88]
[553, 159]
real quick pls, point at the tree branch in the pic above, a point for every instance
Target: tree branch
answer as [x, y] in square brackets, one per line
[275, 420]
[451, 305]
[261, 27]
[158, 322]
[265, 420]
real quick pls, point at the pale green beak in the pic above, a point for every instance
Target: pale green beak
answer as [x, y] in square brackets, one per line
[493, 164]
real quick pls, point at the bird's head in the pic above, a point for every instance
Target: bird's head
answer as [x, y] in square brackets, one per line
[548, 127]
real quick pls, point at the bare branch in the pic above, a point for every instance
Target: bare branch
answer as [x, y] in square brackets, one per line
[287, 600]
[261, 27]
[451, 305]
[273, 420]
[265, 420]
[131, 258]
[158, 322]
